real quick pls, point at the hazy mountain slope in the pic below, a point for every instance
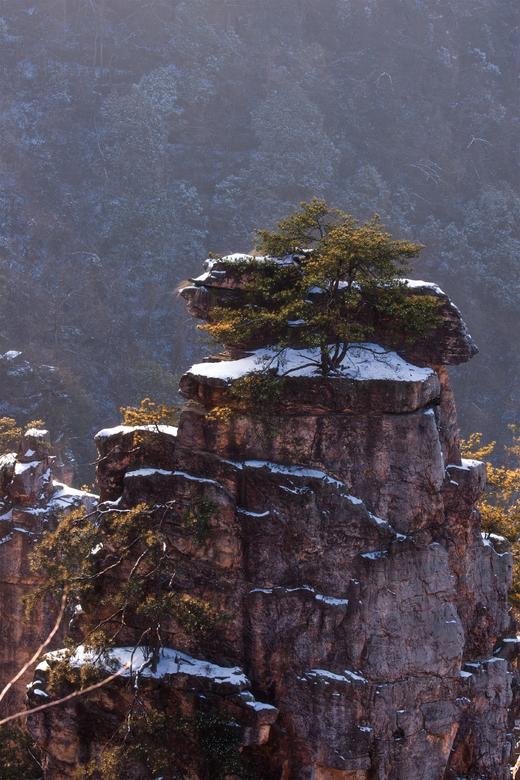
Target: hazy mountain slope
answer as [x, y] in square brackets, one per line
[137, 136]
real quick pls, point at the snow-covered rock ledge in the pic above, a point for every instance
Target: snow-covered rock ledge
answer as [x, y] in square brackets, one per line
[369, 378]
[363, 363]
[132, 660]
[227, 686]
[167, 430]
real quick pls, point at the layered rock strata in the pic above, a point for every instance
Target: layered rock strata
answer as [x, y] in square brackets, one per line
[367, 619]
[31, 501]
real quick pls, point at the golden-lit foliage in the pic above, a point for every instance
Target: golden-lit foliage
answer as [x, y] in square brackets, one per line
[11, 433]
[119, 564]
[500, 504]
[149, 413]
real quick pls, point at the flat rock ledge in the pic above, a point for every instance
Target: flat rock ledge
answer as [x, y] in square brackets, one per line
[371, 378]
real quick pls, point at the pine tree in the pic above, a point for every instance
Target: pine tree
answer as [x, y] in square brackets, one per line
[338, 276]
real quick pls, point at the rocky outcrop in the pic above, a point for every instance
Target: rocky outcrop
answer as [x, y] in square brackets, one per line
[449, 343]
[124, 448]
[367, 629]
[31, 501]
[32, 391]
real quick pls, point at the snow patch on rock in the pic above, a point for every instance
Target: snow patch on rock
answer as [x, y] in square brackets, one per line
[363, 362]
[167, 430]
[132, 660]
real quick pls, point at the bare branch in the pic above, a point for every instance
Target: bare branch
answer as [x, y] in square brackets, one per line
[475, 140]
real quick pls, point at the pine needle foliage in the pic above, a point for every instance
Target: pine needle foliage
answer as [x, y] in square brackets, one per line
[118, 565]
[19, 759]
[197, 518]
[10, 434]
[144, 739]
[118, 569]
[343, 273]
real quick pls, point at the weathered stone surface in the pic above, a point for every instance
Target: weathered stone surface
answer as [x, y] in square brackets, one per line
[448, 426]
[482, 564]
[128, 447]
[369, 453]
[312, 394]
[481, 741]
[85, 727]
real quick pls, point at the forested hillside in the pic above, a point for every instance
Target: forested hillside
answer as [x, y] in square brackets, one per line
[138, 136]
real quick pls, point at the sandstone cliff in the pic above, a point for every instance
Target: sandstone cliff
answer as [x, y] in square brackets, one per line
[367, 633]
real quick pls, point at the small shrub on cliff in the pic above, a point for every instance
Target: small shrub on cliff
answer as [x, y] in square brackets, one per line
[11, 433]
[260, 393]
[120, 567]
[219, 740]
[345, 274]
[197, 518]
[150, 413]
[144, 738]
[65, 676]
[499, 506]
[263, 390]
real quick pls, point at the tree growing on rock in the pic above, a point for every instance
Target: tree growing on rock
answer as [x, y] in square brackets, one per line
[11, 433]
[115, 572]
[322, 282]
[150, 413]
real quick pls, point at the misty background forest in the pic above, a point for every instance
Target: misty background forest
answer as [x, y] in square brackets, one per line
[138, 136]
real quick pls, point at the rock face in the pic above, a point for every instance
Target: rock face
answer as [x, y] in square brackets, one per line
[31, 500]
[367, 632]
